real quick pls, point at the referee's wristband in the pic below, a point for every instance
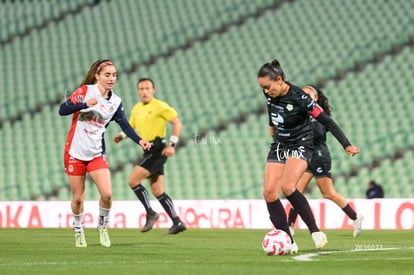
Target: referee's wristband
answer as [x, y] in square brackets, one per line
[173, 140]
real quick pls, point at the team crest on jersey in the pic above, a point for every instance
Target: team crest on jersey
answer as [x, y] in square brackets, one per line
[70, 168]
[289, 107]
[110, 107]
[80, 98]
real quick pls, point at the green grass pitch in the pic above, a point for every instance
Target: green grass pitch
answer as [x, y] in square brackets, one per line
[202, 251]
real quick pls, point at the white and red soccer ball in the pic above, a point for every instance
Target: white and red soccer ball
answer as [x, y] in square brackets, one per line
[276, 242]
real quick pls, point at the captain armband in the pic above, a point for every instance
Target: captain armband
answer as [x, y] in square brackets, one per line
[316, 111]
[173, 140]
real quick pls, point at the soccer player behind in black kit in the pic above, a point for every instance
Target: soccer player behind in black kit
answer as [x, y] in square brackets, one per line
[320, 165]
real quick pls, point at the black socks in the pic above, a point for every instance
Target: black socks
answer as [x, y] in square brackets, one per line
[278, 216]
[165, 200]
[142, 194]
[300, 203]
[350, 212]
[168, 206]
[293, 214]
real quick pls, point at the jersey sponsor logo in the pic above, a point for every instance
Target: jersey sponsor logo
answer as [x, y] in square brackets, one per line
[92, 116]
[276, 119]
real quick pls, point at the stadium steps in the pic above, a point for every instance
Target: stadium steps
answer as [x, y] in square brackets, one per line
[19, 18]
[133, 46]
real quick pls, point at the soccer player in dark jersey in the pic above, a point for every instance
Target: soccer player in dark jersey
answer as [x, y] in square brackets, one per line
[291, 150]
[149, 118]
[320, 166]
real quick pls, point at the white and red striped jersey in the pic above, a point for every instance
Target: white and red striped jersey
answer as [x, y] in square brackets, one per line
[85, 139]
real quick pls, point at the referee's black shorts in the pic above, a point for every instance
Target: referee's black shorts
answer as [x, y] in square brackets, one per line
[153, 160]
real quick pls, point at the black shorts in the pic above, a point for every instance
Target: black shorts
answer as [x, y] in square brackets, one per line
[153, 160]
[280, 153]
[320, 165]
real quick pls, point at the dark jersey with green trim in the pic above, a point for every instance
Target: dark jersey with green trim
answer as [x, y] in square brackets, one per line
[289, 115]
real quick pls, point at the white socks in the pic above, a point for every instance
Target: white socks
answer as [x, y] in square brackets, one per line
[77, 222]
[103, 217]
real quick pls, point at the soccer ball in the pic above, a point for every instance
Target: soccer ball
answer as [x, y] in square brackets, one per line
[276, 242]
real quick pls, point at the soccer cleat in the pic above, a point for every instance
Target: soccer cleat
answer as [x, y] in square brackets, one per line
[319, 238]
[358, 225]
[104, 237]
[177, 228]
[80, 239]
[293, 248]
[151, 219]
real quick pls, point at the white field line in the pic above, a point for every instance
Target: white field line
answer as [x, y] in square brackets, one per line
[97, 262]
[304, 257]
[311, 256]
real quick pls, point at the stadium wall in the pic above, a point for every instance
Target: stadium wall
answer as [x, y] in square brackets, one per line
[243, 214]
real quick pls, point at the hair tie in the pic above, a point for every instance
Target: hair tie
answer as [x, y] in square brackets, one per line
[105, 63]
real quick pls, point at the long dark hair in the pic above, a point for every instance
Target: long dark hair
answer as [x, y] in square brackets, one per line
[272, 70]
[323, 100]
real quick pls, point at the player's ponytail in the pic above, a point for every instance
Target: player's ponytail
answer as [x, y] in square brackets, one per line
[272, 70]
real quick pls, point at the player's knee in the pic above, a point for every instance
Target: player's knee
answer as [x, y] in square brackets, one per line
[132, 183]
[106, 197]
[288, 189]
[157, 190]
[327, 195]
[269, 195]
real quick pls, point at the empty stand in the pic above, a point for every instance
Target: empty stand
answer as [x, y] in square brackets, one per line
[208, 73]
